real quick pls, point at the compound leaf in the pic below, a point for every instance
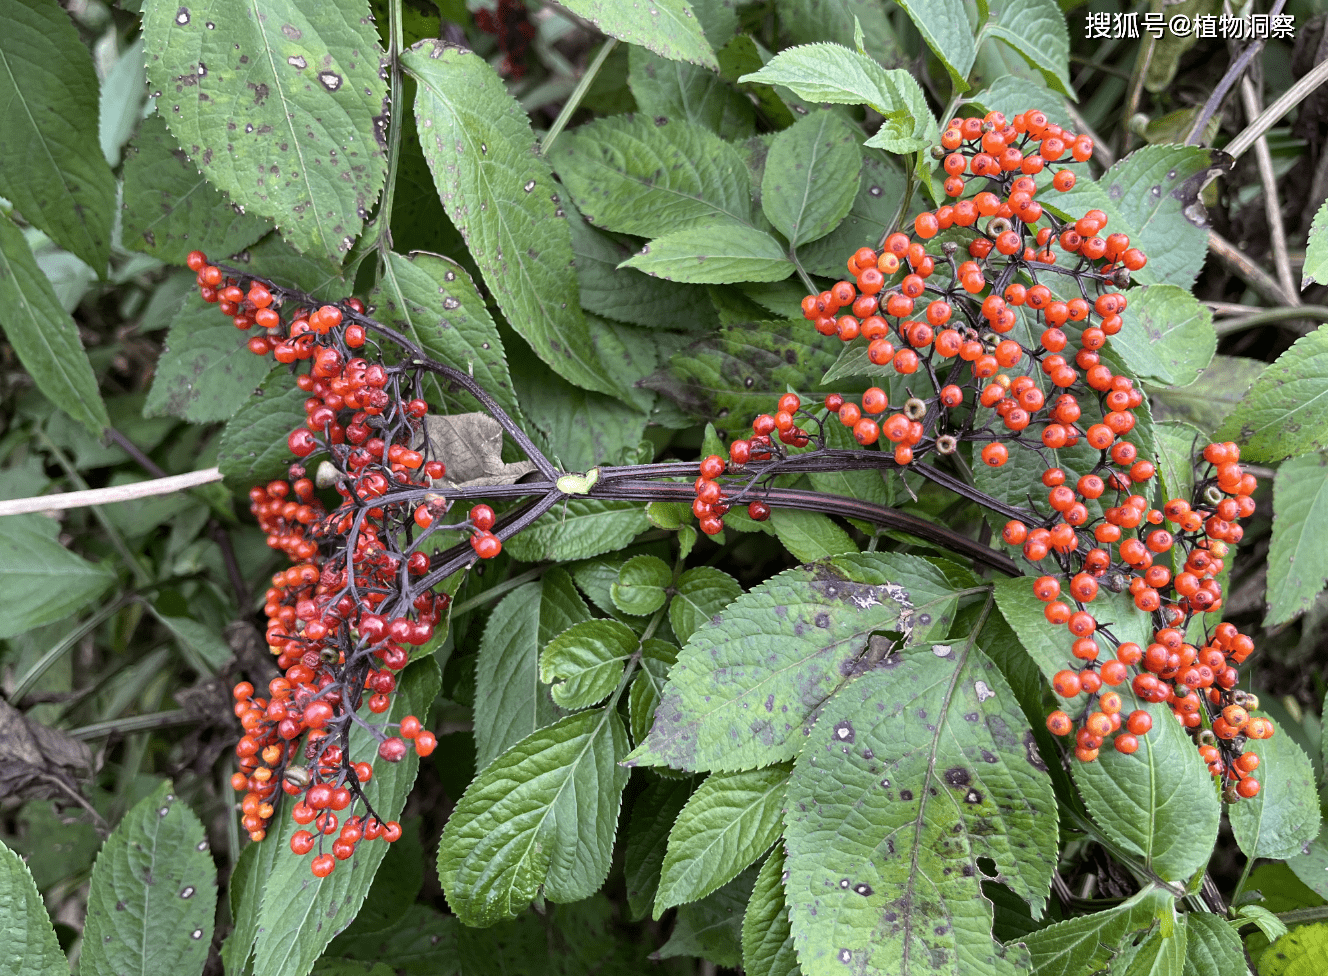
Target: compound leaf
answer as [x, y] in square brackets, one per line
[1168, 336]
[585, 662]
[943, 24]
[1159, 802]
[811, 177]
[153, 893]
[300, 914]
[1285, 412]
[701, 593]
[43, 335]
[727, 824]
[579, 529]
[542, 815]
[50, 168]
[170, 208]
[767, 940]
[40, 580]
[205, 373]
[630, 175]
[281, 105]
[1036, 29]
[31, 948]
[1298, 557]
[1282, 819]
[253, 445]
[653, 816]
[501, 195]
[516, 702]
[751, 681]
[433, 300]
[667, 27]
[914, 772]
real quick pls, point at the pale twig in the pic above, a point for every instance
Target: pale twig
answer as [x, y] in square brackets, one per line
[106, 496]
[1272, 203]
[1253, 275]
[1269, 116]
[1270, 316]
[1101, 151]
[1233, 73]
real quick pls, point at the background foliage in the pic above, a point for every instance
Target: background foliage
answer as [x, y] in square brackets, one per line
[609, 219]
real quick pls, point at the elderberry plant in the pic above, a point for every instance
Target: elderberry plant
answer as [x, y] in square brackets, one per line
[711, 486]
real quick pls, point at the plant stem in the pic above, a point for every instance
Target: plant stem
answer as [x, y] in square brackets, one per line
[1272, 203]
[383, 243]
[1266, 119]
[1298, 915]
[109, 496]
[578, 93]
[1318, 313]
[135, 723]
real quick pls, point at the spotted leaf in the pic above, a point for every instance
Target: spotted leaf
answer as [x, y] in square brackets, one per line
[280, 104]
[913, 773]
[153, 894]
[751, 681]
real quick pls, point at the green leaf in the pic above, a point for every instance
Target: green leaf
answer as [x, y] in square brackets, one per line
[628, 174]
[432, 299]
[1011, 95]
[751, 681]
[1089, 943]
[200, 639]
[170, 209]
[205, 372]
[1168, 335]
[767, 940]
[40, 580]
[1177, 445]
[253, 445]
[1153, 195]
[810, 535]
[667, 27]
[422, 942]
[1298, 557]
[647, 689]
[585, 663]
[1167, 778]
[1301, 952]
[730, 821]
[578, 529]
[832, 73]
[1161, 951]
[507, 668]
[879, 189]
[914, 772]
[675, 90]
[1208, 400]
[245, 891]
[653, 816]
[712, 927]
[1036, 29]
[1049, 645]
[500, 193]
[300, 914]
[701, 593]
[841, 21]
[153, 894]
[1285, 412]
[730, 376]
[640, 589]
[1211, 946]
[1316, 250]
[811, 177]
[31, 948]
[717, 253]
[578, 428]
[628, 295]
[50, 168]
[943, 24]
[43, 335]
[120, 109]
[542, 815]
[1269, 925]
[1282, 819]
[259, 102]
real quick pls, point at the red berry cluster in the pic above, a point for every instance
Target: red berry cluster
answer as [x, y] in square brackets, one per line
[341, 620]
[947, 332]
